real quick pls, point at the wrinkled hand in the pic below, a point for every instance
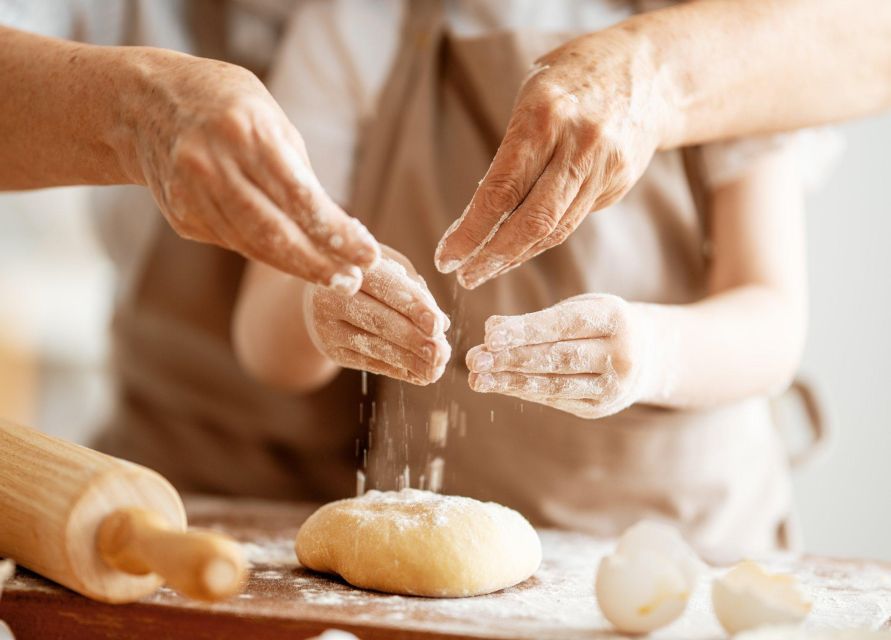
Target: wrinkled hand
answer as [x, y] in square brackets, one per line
[392, 326]
[583, 129]
[227, 167]
[586, 355]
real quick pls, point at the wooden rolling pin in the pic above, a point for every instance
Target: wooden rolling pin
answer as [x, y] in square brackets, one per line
[109, 529]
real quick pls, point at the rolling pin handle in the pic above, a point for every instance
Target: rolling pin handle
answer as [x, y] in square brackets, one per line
[199, 564]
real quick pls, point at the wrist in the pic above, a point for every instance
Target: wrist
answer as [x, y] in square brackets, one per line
[664, 79]
[127, 93]
[143, 106]
[660, 357]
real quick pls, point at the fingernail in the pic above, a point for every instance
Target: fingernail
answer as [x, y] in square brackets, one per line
[483, 361]
[447, 265]
[485, 382]
[447, 322]
[428, 322]
[367, 256]
[346, 282]
[468, 282]
[427, 350]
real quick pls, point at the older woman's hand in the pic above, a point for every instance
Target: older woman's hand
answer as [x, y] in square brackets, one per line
[227, 167]
[221, 158]
[584, 127]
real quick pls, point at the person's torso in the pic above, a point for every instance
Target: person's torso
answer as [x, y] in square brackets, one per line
[438, 121]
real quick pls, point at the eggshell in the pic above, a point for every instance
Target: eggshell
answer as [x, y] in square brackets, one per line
[747, 597]
[646, 582]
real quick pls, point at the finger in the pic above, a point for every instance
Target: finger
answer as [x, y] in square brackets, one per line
[569, 320]
[390, 252]
[196, 221]
[587, 409]
[258, 229]
[585, 202]
[518, 163]
[194, 214]
[375, 317]
[353, 360]
[389, 282]
[342, 334]
[573, 386]
[287, 175]
[565, 357]
[533, 221]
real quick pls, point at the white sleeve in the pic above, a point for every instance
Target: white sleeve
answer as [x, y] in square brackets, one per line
[815, 150]
[328, 76]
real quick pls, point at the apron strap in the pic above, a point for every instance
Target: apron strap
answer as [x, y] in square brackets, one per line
[422, 23]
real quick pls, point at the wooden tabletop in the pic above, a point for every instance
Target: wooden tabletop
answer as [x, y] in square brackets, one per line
[283, 600]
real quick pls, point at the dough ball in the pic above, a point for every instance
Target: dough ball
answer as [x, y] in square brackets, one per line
[420, 543]
[335, 634]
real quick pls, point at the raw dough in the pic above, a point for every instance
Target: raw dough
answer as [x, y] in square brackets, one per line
[420, 543]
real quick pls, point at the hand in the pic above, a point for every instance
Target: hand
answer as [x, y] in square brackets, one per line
[587, 355]
[583, 129]
[227, 167]
[392, 326]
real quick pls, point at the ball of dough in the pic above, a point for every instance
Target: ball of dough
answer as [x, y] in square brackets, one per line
[420, 543]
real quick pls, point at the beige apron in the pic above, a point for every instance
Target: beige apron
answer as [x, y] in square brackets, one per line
[721, 473]
[188, 411]
[183, 406]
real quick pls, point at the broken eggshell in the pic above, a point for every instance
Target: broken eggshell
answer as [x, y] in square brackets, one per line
[747, 597]
[646, 582]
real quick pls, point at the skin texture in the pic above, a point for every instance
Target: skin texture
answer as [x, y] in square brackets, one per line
[220, 157]
[594, 355]
[592, 112]
[296, 336]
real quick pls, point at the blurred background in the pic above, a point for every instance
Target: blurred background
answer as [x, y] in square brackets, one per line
[57, 288]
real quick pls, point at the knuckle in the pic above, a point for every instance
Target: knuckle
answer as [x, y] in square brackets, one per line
[263, 235]
[190, 159]
[537, 112]
[560, 234]
[588, 135]
[545, 112]
[235, 121]
[501, 193]
[305, 201]
[579, 169]
[538, 222]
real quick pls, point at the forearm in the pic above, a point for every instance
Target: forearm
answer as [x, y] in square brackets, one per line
[270, 335]
[727, 68]
[62, 117]
[743, 342]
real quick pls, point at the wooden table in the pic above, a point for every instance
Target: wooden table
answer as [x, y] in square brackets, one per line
[283, 600]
